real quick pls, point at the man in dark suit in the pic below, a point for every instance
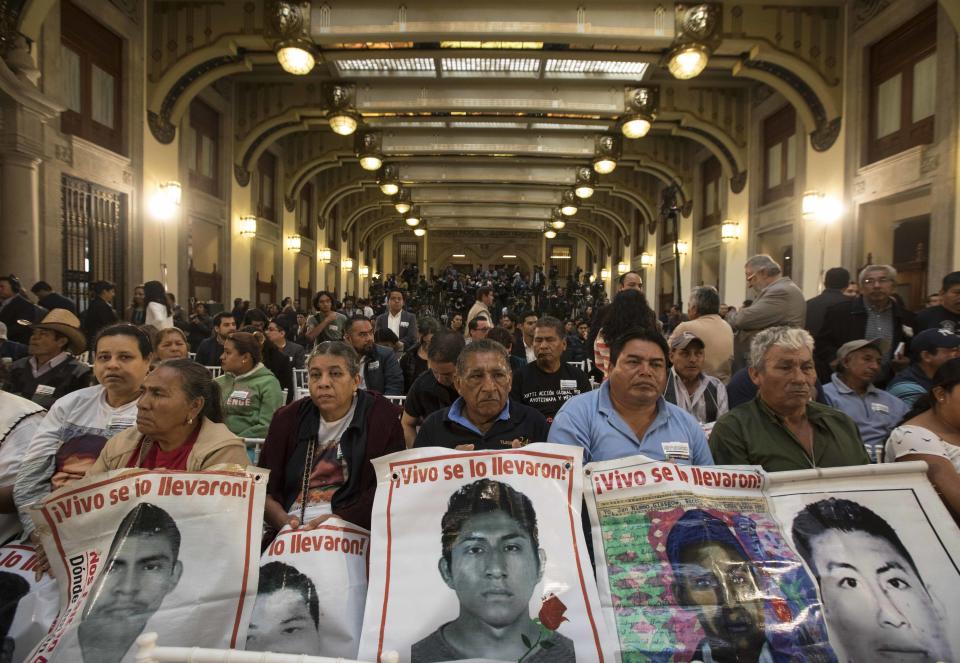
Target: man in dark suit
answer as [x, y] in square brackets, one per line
[834, 282]
[13, 307]
[397, 320]
[874, 314]
[49, 299]
[379, 368]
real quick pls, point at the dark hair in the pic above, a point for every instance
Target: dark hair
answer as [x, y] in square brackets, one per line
[100, 287]
[947, 377]
[246, 344]
[147, 519]
[841, 515]
[13, 281]
[352, 321]
[637, 334]
[385, 335]
[486, 496]
[144, 340]
[427, 325]
[628, 310]
[474, 324]
[483, 292]
[697, 527]
[154, 292]
[218, 318]
[484, 345]
[623, 277]
[553, 323]
[196, 382]
[40, 286]
[12, 588]
[277, 575]
[445, 347]
[950, 280]
[836, 278]
[501, 336]
[511, 315]
[255, 315]
[322, 293]
[528, 314]
[278, 321]
[393, 290]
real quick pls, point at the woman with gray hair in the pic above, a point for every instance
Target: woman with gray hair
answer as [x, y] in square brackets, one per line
[318, 449]
[179, 425]
[783, 428]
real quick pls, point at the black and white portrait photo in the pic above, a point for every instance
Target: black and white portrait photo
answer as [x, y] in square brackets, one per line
[286, 614]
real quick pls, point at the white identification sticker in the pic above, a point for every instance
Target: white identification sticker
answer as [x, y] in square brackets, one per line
[120, 423]
[404, 324]
[879, 407]
[568, 384]
[44, 390]
[374, 365]
[239, 397]
[679, 450]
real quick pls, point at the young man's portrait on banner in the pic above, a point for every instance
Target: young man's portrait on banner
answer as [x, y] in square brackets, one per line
[491, 558]
[286, 614]
[141, 568]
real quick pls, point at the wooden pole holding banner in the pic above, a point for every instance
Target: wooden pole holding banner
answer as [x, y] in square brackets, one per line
[847, 472]
[149, 652]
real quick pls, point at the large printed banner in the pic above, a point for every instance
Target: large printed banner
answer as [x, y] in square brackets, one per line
[692, 566]
[312, 589]
[27, 606]
[138, 551]
[886, 554]
[480, 555]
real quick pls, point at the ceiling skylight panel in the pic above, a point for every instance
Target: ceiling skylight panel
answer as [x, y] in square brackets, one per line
[491, 66]
[387, 66]
[600, 68]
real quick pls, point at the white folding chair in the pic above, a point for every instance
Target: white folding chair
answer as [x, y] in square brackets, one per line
[397, 400]
[300, 378]
[301, 393]
[215, 371]
[149, 652]
[192, 356]
[254, 447]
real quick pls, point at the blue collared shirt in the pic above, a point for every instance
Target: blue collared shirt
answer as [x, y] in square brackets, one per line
[456, 414]
[590, 420]
[876, 413]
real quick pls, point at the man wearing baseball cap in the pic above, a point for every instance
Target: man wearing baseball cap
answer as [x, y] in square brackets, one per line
[851, 391]
[688, 387]
[50, 371]
[929, 349]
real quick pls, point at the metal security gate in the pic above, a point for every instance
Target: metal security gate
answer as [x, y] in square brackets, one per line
[94, 221]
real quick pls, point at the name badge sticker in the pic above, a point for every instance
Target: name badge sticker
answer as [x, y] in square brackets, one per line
[678, 450]
[568, 384]
[120, 423]
[879, 407]
[404, 324]
[44, 390]
[374, 365]
[240, 398]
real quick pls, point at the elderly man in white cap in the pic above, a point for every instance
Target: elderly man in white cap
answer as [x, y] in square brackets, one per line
[51, 371]
[688, 387]
[850, 390]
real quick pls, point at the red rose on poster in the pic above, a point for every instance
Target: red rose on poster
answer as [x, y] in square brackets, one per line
[551, 612]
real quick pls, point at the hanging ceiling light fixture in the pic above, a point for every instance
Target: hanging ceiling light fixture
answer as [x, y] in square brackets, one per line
[419, 232]
[568, 203]
[556, 220]
[550, 233]
[606, 152]
[402, 201]
[641, 105]
[586, 182]
[340, 102]
[369, 145]
[696, 29]
[289, 25]
[389, 179]
[412, 218]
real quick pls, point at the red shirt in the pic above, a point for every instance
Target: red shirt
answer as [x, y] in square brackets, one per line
[169, 460]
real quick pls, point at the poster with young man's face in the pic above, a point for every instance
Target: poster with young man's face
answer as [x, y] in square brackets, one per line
[312, 590]
[886, 556]
[136, 551]
[27, 606]
[480, 555]
[692, 566]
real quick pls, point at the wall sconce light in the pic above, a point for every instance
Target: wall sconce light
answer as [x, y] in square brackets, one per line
[641, 104]
[622, 268]
[341, 117]
[293, 242]
[389, 179]
[604, 274]
[419, 232]
[166, 200]
[647, 259]
[248, 226]
[401, 201]
[606, 151]
[347, 264]
[683, 247]
[815, 206]
[364, 272]
[324, 255]
[586, 182]
[369, 150]
[810, 204]
[568, 203]
[729, 231]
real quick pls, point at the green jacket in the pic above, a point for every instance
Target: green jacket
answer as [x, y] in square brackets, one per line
[752, 434]
[249, 401]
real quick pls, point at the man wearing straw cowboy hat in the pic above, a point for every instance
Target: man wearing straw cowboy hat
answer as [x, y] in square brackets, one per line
[50, 371]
